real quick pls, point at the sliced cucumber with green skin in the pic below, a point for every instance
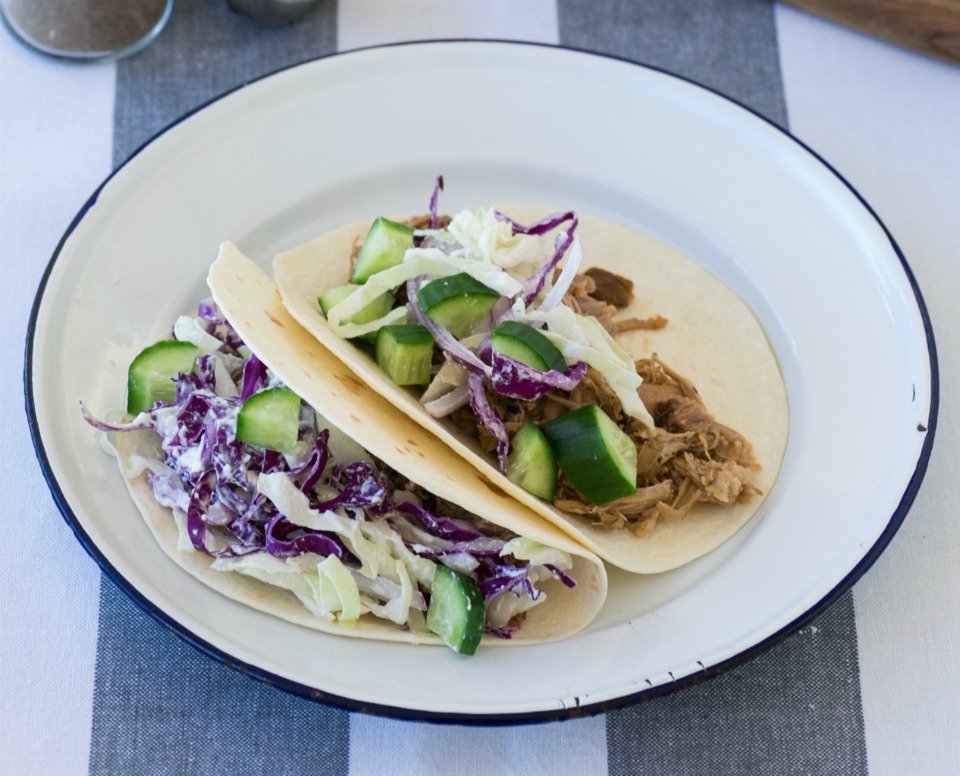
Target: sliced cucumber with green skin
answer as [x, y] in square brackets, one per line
[405, 353]
[153, 373]
[526, 344]
[456, 613]
[330, 299]
[456, 302]
[383, 247]
[270, 419]
[531, 463]
[598, 458]
[376, 309]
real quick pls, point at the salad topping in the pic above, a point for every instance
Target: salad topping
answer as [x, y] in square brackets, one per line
[528, 337]
[258, 481]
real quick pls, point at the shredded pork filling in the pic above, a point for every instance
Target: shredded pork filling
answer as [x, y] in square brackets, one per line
[685, 459]
[601, 293]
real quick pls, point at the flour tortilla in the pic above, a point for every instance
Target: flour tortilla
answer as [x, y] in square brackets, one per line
[250, 301]
[712, 338]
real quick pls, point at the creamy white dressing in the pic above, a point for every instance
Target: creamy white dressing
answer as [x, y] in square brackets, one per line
[391, 577]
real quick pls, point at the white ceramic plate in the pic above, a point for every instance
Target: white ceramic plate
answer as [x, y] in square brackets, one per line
[277, 161]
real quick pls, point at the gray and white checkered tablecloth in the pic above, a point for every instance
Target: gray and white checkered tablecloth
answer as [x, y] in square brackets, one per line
[90, 684]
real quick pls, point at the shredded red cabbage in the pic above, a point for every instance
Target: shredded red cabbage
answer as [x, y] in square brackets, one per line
[218, 326]
[565, 578]
[278, 544]
[362, 488]
[500, 577]
[448, 528]
[200, 500]
[488, 417]
[541, 227]
[437, 188]
[212, 477]
[534, 284]
[254, 377]
[519, 381]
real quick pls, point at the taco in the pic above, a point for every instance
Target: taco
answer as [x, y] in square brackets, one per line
[603, 379]
[266, 470]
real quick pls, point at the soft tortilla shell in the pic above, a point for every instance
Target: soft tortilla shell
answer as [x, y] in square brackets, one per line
[248, 298]
[712, 338]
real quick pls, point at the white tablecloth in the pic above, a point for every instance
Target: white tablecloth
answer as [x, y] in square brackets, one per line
[886, 118]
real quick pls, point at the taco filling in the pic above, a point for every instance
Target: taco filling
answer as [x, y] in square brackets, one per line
[261, 485]
[496, 326]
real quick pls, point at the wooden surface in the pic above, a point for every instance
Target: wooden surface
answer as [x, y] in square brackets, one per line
[931, 27]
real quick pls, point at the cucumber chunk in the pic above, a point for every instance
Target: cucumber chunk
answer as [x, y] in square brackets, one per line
[376, 309]
[270, 419]
[153, 373]
[526, 344]
[383, 247]
[598, 458]
[531, 463]
[456, 613]
[456, 302]
[405, 353]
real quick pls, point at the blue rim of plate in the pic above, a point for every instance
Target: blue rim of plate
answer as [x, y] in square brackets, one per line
[459, 718]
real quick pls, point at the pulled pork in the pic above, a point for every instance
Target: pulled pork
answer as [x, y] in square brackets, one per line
[686, 458]
[600, 293]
